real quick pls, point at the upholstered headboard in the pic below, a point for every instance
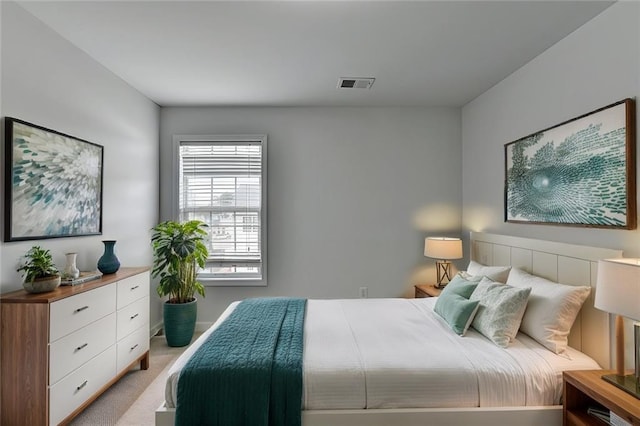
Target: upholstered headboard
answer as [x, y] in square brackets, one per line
[558, 262]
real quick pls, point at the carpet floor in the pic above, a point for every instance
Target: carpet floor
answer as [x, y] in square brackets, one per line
[133, 399]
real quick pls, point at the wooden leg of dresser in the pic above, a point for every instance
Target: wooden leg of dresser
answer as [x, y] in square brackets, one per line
[144, 361]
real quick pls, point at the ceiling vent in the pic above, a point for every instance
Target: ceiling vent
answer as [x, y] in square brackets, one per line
[355, 82]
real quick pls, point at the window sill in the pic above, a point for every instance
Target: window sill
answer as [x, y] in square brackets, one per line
[231, 282]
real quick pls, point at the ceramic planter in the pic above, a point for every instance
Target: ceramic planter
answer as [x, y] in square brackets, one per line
[180, 322]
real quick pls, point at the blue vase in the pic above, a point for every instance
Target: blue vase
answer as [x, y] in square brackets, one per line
[108, 263]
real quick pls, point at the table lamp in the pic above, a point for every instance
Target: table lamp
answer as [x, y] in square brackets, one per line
[618, 292]
[443, 249]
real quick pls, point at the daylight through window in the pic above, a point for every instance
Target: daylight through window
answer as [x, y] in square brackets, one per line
[221, 182]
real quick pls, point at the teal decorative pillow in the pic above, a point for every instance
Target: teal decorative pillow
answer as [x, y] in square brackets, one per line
[456, 310]
[500, 311]
[461, 286]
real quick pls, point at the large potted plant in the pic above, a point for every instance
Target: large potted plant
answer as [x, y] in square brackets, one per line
[40, 274]
[178, 251]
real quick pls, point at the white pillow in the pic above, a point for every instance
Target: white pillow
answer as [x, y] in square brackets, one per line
[551, 310]
[495, 273]
[500, 310]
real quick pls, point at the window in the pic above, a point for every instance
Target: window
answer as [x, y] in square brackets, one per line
[221, 180]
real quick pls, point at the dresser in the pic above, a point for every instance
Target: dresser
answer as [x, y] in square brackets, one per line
[60, 350]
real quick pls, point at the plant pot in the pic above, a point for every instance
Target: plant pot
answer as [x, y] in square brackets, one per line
[42, 285]
[180, 322]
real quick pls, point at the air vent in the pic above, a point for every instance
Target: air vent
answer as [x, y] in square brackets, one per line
[355, 82]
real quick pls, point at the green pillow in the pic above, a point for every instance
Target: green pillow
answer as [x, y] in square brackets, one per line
[461, 286]
[456, 310]
[501, 309]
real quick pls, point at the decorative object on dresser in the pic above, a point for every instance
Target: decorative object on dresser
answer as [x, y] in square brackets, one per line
[41, 275]
[178, 251]
[71, 271]
[83, 277]
[585, 391]
[60, 350]
[108, 262]
[618, 292]
[577, 173]
[443, 249]
[53, 183]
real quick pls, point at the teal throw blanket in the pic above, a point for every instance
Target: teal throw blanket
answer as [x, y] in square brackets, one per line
[249, 371]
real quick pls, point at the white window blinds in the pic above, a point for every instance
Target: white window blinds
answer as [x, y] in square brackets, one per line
[221, 183]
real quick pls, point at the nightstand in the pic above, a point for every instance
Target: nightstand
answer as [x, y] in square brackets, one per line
[427, 290]
[584, 389]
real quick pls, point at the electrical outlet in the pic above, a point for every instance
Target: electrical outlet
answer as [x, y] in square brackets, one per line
[364, 292]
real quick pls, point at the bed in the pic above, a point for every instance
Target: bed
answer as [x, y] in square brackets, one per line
[368, 380]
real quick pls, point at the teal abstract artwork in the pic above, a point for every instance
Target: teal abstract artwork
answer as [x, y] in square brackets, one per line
[577, 173]
[54, 185]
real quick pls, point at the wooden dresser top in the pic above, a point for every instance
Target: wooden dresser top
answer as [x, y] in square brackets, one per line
[22, 296]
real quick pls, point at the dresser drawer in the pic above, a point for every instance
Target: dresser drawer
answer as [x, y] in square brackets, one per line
[70, 392]
[132, 288]
[70, 352]
[73, 313]
[132, 347]
[133, 316]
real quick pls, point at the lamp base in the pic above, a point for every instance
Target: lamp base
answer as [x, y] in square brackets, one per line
[444, 273]
[627, 383]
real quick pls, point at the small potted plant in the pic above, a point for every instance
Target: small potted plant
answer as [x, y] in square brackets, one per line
[40, 274]
[179, 249]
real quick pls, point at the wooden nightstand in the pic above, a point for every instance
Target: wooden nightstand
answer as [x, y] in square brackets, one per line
[584, 389]
[427, 290]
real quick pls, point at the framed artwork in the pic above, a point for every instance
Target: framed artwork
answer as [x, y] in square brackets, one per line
[577, 173]
[53, 183]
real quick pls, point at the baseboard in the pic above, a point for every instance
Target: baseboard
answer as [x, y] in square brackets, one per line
[155, 329]
[203, 326]
[200, 327]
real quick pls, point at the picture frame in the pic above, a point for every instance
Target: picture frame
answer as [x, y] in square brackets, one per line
[53, 183]
[578, 173]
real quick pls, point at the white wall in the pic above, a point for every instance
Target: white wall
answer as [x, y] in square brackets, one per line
[49, 82]
[593, 67]
[352, 192]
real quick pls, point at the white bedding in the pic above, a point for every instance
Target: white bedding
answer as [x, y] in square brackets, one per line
[397, 353]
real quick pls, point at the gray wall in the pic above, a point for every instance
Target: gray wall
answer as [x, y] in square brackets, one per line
[352, 192]
[596, 65]
[49, 82]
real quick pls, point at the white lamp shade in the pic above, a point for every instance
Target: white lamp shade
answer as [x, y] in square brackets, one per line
[618, 287]
[443, 248]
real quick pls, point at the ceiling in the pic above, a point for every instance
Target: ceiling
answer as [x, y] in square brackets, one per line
[291, 53]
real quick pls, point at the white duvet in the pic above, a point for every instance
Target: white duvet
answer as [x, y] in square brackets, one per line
[397, 353]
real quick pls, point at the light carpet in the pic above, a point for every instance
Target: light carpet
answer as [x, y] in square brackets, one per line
[135, 397]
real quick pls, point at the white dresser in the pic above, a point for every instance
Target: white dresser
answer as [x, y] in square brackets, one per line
[60, 350]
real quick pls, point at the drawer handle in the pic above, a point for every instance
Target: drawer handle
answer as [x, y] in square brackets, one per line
[81, 347]
[81, 386]
[134, 316]
[80, 309]
[133, 288]
[134, 346]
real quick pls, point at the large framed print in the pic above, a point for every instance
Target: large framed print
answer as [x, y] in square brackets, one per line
[577, 173]
[53, 183]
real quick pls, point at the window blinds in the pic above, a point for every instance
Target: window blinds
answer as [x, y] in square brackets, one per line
[221, 184]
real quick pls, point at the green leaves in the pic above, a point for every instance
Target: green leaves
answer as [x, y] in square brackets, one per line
[178, 250]
[38, 264]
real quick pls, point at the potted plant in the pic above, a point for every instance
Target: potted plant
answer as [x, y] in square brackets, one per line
[40, 274]
[178, 250]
